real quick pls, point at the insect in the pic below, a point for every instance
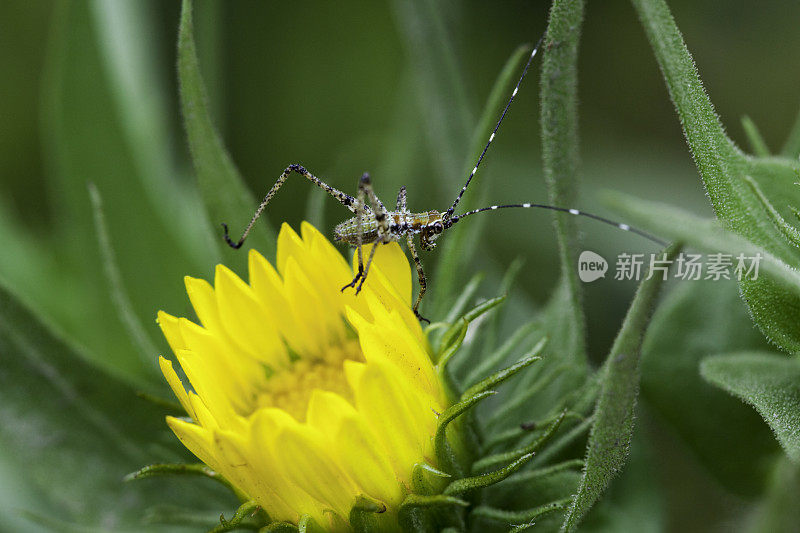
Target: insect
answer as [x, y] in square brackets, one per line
[375, 223]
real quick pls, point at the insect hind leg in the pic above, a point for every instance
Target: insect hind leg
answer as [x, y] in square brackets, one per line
[423, 284]
[345, 199]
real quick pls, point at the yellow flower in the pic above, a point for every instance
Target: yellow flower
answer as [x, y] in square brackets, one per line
[305, 397]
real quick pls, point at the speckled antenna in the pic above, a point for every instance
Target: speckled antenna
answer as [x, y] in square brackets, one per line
[374, 223]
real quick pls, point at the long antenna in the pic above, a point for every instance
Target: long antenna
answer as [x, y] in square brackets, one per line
[625, 227]
[451, 210]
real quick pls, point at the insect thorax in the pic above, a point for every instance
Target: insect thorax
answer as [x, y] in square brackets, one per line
[399, 224]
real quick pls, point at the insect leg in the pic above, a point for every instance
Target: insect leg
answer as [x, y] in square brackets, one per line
[361, 209]
[420, 275]
[345, 199]
[382, 219]
[401, 200]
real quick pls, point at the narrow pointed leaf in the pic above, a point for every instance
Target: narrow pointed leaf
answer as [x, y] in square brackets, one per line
[119, 294]
[224, 192]
[525, 516]
[534, 447]
[179, 469]
[792, 147]
[415, 505]
[707, 235]
[609, 440]
[242, 518]
[757, 143]
[789, 232]
[463, 485]
[451, 342]
[502, 375]
[465, 296]
[427, 480]
[440, 446]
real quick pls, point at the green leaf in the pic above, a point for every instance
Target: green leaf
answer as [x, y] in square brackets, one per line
[527, 517]
[245, 517]
[417, 508]
[559, 122]
[444, 453]
[130, 53]
[610, 438]
[790, 233]
[81, 431]
[119, 294]
[279, 527]
[499, 355]
[722, 167]
[634, 502]
[757, 142]
[535, 393]
[792, 147]
[768, 382]
[697, 319]
[464, 297]
[779, 283]
[427, 480]
[502, 375]
[179, 469]
[537, 445]
[224, 192]
[365, 515]
[86, 141]
[467, 484]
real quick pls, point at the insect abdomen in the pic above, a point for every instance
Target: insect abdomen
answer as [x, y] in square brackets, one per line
[347, 231]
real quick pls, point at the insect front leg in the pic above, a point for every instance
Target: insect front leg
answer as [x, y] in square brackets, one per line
[361, 210]
[383, 233]
[401, 200]
[420, 275]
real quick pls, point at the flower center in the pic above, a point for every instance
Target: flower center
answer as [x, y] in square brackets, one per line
[290, 389]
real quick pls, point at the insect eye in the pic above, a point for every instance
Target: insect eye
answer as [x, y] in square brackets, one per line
[438, 228]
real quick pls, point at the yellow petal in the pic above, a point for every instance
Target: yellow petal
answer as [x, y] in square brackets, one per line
[323, 325]
[246, 321]
[196, 439]
[266, 426]
[384, 341]
[289, 245]
[401, 421]
[175, 384]
[354, 446]
[201, 294]
[313, 467]
[169, 326]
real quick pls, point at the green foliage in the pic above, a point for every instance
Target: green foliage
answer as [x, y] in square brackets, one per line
[612, 431]
[79, 291]
[74, 464]
[225, 195]
[723, 168]
[769, 383]
[695, 320]
[559, 125]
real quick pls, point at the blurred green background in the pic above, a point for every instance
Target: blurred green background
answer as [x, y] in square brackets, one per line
[89, 95]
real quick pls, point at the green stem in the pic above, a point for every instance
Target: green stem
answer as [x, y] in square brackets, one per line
[559, 122]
